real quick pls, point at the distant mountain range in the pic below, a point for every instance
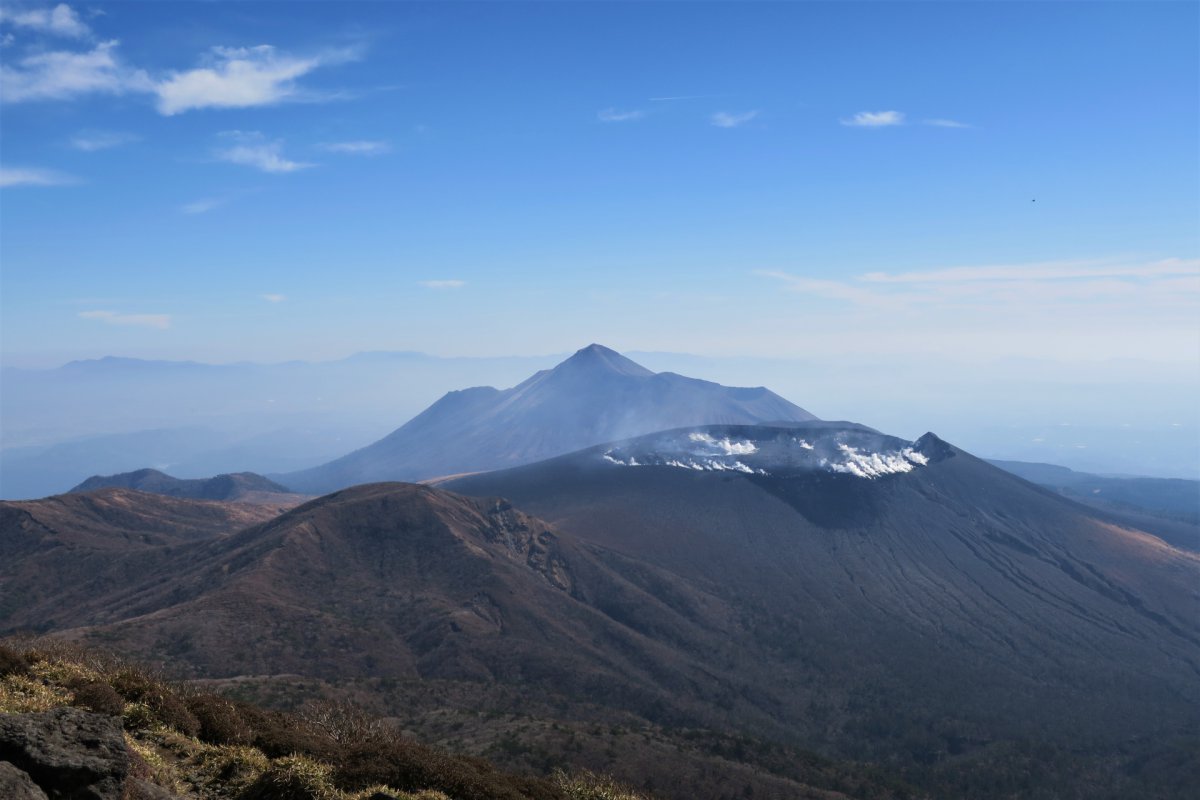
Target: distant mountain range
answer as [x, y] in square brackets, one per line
[596, 395]
[189, 419]
[1171, 498]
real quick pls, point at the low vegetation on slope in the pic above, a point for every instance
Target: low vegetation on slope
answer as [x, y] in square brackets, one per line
[187, 743]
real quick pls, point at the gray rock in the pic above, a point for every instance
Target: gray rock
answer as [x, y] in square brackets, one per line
[70, 753]
[15, 784]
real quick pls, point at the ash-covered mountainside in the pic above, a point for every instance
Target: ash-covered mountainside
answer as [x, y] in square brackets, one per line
[595, 396]
[893, 587]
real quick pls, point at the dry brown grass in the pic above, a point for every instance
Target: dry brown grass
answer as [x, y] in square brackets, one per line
[205, 746]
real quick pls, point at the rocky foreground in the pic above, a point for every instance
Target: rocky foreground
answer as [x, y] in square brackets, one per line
[78, 725]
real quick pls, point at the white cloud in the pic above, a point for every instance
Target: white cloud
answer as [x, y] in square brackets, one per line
[61, 75]
[32, 176]
[618, 115]
[727, 119]
[875, 119]
[160, 321]
[89, 141]
[60, 21]
[945, 123]
[274, 298]
[358, 148]
[442, 284]
[253, 150]
[202, 206]
[229, 78]
[240, 77]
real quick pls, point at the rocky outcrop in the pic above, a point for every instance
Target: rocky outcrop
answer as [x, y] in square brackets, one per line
[68, 753]
[15, 784]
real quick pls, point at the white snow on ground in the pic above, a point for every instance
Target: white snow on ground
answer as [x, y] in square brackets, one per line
[712, 465]
[704, 453]
[726, 446]
[872, 465]
[701, 465]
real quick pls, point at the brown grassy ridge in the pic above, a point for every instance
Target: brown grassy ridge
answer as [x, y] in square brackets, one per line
[197, 744]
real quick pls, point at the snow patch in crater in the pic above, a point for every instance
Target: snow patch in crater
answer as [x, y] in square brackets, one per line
[873, 465]
[725, 445]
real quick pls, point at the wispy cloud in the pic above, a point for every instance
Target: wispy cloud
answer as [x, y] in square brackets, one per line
[160, 321]
[228, 77]
[89, 141]
[62, 75]
[946, 123]
[1070, 309]
[728, 119]
[58, 21]
[32, 176]
[359, 148]
[1046, 271]
[241, 77]
[252, 149]
[1167, 282]
[202, 206]
[274, 298]
[619, 115]
[874, 119]
[443, 284]
[821, 287]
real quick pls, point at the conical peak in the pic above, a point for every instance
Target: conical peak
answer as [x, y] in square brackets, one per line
[598, 358]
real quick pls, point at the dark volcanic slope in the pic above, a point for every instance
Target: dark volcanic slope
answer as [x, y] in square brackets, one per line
[1171, 499]
[595, 396]
[424, 588]
[940, 594]
[235, 486]
[818, 585]
[408, 581]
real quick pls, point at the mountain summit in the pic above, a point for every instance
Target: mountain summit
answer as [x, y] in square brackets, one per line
[595, 396]
[596, 357]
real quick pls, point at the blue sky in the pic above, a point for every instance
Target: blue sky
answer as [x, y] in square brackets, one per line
[226, 181]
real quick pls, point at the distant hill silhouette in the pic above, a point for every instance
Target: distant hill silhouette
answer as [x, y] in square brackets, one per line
[246, 486]
[596, 395]
[1174, 499]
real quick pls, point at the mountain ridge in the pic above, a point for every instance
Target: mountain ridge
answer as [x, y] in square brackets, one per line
[594, 396]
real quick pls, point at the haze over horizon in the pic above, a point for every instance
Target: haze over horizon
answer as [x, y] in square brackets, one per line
[917, 216]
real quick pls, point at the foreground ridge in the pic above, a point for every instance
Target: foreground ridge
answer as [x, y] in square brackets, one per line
[80, 723]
